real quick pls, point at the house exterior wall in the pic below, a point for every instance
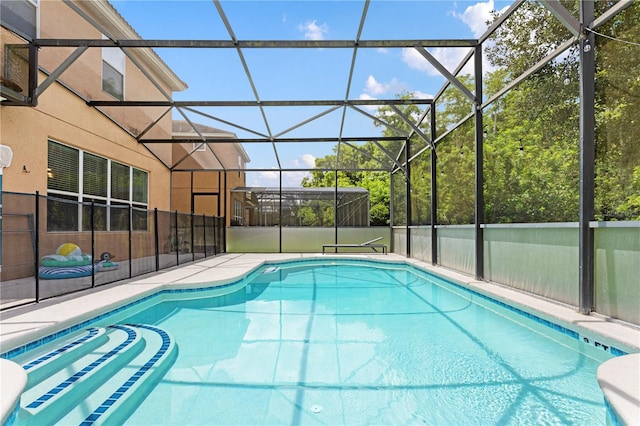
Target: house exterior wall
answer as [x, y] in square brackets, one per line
[204, 185]
[62, 115]
[65, 118]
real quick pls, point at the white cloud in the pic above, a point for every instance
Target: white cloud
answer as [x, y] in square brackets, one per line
[309, 160]
[421, 95]
[272, 178]
[313, 31]
[305, 160]
[269, 175]
[450, 58]
[293, 179]
[365, 96]
[476, 16]
[375, 88]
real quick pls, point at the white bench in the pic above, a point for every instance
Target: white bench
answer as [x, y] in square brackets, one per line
[368, 244]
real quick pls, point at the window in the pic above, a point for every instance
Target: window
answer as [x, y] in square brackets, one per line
[63, 170]
[20, 16]
[140, 186]
[76, 178]
[113, 61]
[112, 81]
[120, 181]
[94, 175]
[238, 218]
[198, 146]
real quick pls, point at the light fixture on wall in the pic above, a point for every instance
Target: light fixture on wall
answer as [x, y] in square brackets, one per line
[50, 174]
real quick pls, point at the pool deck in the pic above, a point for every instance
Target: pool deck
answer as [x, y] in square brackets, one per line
[619, 378]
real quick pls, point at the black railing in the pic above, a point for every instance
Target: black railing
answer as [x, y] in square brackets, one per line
[52, 246]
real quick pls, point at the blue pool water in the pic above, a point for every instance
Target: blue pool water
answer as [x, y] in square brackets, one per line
[351, 344]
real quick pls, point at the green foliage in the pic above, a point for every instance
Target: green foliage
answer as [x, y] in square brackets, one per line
[531, 133]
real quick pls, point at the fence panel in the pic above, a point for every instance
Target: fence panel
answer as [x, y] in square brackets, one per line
[167, 240]
[51, 246]
[18, 249]
[111, 249]
[199, 235]
[185, 238]
[143, 245]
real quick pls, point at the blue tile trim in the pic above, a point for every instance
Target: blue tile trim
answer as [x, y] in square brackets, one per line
[14, 415]
[322, 261]
[557, 327]
[92, 333]
[113, 398]
[131, 336]
[611, 414]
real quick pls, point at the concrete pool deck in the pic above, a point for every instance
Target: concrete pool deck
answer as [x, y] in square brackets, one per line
[619, 378]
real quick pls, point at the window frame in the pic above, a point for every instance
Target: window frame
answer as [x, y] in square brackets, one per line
[103, 202]
[106, 87]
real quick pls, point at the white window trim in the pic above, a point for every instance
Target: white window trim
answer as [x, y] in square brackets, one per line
[115, 58]
[198, 146]
[80, 196]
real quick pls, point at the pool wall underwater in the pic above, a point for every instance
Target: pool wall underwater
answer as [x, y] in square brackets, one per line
[225, 274]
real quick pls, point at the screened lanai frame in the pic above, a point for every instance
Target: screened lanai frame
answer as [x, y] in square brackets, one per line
[399, 163]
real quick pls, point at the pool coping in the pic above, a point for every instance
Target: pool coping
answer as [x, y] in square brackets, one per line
[23, 325]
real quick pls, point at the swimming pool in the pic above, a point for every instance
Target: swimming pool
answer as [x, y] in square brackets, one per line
[317, 343]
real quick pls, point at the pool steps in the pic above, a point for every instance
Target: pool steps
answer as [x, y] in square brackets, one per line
[98, 376]
[41, 367]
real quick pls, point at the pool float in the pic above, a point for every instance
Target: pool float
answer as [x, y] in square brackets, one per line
[105, 263]
[68, 254]
[62, 272]
[67, 262]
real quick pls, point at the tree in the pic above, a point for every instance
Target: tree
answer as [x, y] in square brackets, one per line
[369, 155]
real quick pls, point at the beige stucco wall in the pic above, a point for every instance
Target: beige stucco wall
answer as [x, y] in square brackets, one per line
[206, 182]
[65, 118]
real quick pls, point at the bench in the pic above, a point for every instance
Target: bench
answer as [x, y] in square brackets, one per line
[368, 244]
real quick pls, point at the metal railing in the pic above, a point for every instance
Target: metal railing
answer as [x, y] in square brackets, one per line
[52, 246]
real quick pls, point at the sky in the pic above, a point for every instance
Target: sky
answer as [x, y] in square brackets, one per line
[303, 74]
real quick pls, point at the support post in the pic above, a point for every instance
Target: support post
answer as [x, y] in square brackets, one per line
[156, 237]
[224, 216]
[586, 282]
[37, 244]
[479, 163]
[280, 214]
[335, 208]
[407, 148]
[434, 192]
[93, 242]
[33, 74]
[391, 211]
[193, 252]
[216, 220]
[204, 233]
[130, 240]
[177, 241]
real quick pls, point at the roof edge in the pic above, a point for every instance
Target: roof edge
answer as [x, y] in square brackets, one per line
[107, 15]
